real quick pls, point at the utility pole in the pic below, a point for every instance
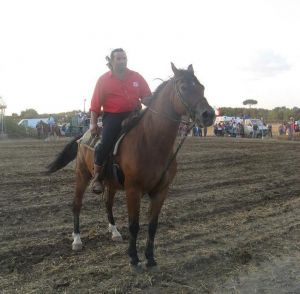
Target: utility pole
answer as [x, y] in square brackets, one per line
[84, 100]
[2, 115]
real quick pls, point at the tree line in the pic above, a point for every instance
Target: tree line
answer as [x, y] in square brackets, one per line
[278, 114]
[32, 113]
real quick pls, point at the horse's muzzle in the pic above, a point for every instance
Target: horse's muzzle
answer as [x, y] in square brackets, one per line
[206, 118]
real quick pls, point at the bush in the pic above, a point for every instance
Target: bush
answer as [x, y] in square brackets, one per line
[13, 130]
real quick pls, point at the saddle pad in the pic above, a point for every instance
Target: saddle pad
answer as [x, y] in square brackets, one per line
[88, 140]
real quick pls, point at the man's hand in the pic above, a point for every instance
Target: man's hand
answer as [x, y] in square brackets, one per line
[94, 128]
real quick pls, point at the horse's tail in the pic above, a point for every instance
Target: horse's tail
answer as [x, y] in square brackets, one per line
[67, 155]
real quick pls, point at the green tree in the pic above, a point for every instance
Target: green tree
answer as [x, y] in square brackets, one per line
[29, 113]
[13, 130]
[250, 102]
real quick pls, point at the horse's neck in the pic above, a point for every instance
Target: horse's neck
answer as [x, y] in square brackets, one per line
[161, 123]
[164, 104]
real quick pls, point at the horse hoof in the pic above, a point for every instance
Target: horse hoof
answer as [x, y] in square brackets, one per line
[76, 246]
[136, 268]
[117, 238]
[151, 264]
[152, 268]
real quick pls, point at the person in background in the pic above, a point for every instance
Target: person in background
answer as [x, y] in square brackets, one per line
[270, 134]
[255, 129]
[51, 123]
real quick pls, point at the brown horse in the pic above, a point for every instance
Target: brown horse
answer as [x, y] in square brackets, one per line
[45, 131]
[144, 157]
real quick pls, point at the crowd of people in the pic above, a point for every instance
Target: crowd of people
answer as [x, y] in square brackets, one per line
[195, 132]
[230, 128]
[288, 128]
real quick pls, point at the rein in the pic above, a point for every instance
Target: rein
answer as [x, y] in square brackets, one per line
[166, 116]
[173, 157]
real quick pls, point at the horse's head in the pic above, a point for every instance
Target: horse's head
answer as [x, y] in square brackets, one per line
[190, 97]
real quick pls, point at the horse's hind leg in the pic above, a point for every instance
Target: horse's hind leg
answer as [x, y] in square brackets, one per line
[154, 211]
[109, 197]
[82, 180]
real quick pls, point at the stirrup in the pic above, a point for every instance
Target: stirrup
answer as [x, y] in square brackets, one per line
[97, 186]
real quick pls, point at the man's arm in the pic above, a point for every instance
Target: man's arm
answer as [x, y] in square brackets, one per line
[94, 118]
[94, 123]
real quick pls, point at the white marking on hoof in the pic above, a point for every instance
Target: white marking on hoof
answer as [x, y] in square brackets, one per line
[77, 244]
[115, 235]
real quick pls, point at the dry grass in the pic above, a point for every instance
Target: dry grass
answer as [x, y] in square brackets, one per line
[231, 223]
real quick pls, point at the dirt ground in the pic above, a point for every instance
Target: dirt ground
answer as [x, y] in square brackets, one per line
[231, 224]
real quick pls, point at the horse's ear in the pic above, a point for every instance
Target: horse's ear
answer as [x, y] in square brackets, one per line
[174, 69]
[190, 68]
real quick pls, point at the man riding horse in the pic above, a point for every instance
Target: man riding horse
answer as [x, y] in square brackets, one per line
[181, 95]
[117, 93]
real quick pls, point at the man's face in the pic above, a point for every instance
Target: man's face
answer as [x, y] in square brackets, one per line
[119, 62]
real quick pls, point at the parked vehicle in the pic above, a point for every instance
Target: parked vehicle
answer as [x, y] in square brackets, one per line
[254, 128]
[31, 122]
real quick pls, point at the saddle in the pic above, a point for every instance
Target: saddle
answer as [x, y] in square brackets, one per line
[111, 169]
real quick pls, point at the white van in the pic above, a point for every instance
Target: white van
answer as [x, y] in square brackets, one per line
[224, 118]
[31, 122]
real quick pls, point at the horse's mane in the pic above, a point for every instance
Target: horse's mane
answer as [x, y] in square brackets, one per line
[158, 90]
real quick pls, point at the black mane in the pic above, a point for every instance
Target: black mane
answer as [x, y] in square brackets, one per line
[159, 89]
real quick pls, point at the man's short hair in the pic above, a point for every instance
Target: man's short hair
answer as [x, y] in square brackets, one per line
[114, 51]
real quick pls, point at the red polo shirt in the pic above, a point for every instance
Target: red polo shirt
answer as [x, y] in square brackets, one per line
[115, 95]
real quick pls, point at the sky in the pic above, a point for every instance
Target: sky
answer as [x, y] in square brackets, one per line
[52, 52]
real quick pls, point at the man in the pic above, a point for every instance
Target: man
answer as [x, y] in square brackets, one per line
[117, 94]
[51, 123]
[255, 129]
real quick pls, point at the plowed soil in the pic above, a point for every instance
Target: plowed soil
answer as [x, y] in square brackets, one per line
[231, 224]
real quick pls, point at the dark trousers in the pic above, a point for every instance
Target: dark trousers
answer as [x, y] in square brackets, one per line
[112, 125]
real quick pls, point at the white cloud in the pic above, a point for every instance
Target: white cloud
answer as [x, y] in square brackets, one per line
[267, 64]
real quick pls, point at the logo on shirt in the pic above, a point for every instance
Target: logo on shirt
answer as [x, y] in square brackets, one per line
[135, 84]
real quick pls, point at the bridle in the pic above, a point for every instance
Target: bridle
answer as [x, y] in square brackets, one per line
[189, 123]
[189, 110]
[187, 107]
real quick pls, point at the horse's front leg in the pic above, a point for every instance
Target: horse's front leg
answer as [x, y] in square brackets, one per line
[109, 197]
[133, 198]
[82, 180]
[156, 203]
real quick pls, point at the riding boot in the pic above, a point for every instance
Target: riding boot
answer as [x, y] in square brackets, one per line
[97, 185]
